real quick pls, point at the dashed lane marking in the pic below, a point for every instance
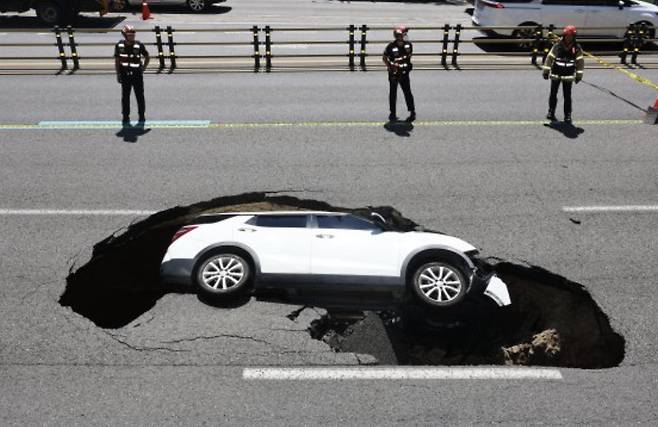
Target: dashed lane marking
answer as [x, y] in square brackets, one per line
[401, 373]
[604, 209]
[206, 124]
[76, 212]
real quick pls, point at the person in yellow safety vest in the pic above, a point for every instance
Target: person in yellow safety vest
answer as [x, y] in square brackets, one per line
[131, 59]
[564, 64]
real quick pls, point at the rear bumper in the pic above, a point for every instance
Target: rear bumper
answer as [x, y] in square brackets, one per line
[177, 271]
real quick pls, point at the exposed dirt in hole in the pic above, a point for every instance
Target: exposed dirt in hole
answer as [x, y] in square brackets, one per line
[552, 321]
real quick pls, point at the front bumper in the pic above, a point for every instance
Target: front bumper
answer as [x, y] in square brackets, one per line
[490, 285]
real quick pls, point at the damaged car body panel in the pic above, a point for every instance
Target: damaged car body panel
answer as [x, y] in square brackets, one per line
[330, 252]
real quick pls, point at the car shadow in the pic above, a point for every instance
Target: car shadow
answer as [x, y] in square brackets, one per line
[132, 133]
[566, 129]
[400, 128]
[212, 9]
[83, 21]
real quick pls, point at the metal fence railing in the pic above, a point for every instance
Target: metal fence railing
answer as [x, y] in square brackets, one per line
[350, 48]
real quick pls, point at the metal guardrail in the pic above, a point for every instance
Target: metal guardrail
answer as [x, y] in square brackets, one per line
[260, 43]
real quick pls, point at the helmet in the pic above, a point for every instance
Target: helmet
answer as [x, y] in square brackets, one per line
[127, 29]
[400, 29]
[569, 30]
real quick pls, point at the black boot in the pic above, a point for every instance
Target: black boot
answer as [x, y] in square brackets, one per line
[551, 116]
[392, 117]
[567, 118]
[412, 117]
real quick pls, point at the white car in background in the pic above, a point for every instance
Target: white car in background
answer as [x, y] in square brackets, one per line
[560, 13]
[228, 254]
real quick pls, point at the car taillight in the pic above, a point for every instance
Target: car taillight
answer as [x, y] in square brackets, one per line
[184, 230]
[494, 4]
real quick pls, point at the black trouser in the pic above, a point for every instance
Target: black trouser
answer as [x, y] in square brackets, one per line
[566, 91]
[132, 81]
[403, 80]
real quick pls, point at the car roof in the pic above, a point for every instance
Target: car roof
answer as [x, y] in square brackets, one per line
[270, 213]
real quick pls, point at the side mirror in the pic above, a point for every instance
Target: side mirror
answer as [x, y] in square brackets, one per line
[621, 4]
[377, 217]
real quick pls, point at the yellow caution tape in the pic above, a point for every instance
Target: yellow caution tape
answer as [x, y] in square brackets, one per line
[633, 76]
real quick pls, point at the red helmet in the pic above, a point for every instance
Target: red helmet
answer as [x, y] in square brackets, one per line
[569, 30]
[400, 29]
[127, 29]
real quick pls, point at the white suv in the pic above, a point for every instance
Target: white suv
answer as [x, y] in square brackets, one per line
[227, 254]
[586, 15]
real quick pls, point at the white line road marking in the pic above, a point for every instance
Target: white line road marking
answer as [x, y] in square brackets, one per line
[97, 212]
[627, 208]
[401, 373]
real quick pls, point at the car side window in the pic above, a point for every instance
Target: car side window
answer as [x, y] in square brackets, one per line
[609, 3]
[562, 2]
[345, 222]
[279, 221]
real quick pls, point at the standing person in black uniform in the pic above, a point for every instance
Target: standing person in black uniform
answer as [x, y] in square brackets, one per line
[131, 59]
[397, 57]
[564, 64]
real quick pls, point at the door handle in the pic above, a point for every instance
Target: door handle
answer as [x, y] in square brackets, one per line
[324, 236]
[251, 230]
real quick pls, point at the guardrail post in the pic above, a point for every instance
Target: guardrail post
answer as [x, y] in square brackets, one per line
[537, 43]
[172, 52]
[350, 41]
[628, 36]
[455, 46]
[268, 48]
[362, 55]
[254, 31]
[74, 48]
[548, 43]
[60, 47]
[158, 43]
[638, 41]
[444, 49]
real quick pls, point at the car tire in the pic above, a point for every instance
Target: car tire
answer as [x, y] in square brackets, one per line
[525, 33]
[49, 12]
[439, 284]
[223, 274]
[197, 6]
[651, 31]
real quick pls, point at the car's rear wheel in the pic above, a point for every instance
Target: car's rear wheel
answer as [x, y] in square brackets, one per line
[223, 274]
[525, 33]
[49, 12]
[439, 284]
[197, 5]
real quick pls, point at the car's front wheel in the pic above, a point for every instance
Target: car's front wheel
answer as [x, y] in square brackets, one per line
[439, 284]
[223, 274]
[525, 35]
[197, 5]
[49, 12]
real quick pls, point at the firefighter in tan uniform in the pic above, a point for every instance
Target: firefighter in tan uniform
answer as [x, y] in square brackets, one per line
[564, 65]
[131, 59]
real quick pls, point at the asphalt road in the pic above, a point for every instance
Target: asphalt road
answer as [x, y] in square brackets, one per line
[479, 164]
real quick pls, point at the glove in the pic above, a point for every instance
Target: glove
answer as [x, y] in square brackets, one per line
[545, 76]
[578, 79]
[119, 80]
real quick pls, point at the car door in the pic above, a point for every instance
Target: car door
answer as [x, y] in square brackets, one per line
[561, 13]
[351, 246]
[604, 13]
[282, 243]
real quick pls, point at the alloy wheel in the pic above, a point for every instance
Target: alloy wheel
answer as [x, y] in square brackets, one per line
[223, 273]
[440, 284]
[196, 5]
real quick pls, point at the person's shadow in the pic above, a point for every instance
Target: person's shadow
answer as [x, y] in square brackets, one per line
[400, 128]
[131, 133]
[565, 128]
